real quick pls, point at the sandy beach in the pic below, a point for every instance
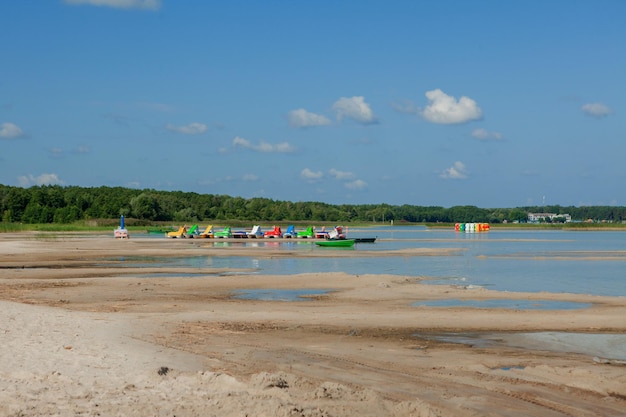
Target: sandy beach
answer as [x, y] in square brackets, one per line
[84, 335]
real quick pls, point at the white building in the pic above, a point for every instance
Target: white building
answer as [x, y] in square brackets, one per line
[537, 217]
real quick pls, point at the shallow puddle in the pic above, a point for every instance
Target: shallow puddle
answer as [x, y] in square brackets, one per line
[505, 303]
[278, 294]
[600, 346]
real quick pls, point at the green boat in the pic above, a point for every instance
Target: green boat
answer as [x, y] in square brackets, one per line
[336, 243]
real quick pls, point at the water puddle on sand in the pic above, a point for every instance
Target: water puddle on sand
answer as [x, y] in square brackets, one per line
[506, 304]
[510, 368]
[279, 294]
[605, 348]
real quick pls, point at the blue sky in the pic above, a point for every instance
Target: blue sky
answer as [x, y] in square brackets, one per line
[492, 103]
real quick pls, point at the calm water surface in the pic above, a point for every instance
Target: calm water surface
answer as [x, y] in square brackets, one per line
[589, 262]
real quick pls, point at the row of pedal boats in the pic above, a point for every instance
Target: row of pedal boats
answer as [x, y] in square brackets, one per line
[335, 237]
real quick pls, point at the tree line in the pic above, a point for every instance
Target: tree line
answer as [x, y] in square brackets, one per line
[69, 204]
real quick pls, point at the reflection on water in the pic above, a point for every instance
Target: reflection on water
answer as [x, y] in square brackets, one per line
[300, 244]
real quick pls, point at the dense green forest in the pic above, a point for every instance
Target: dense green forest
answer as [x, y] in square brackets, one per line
[64, 205]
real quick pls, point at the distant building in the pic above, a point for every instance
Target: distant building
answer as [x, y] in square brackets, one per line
[537, 217]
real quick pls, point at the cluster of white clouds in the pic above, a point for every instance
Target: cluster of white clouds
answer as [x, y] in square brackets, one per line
[448, 110]
[239, 142]
[311, 175]
[356, 185]
[43, 179]
[190, 129]
[303, 118]
[457, 171]
[445, 109]
[340, 175]
[598, 110]
[10, 131]
[354, 108]
[349, 177]
[119, 4]
[441, 109]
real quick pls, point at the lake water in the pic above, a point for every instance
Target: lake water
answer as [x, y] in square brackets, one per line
[582, 262]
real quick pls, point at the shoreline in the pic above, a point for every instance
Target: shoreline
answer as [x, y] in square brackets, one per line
[358, 350]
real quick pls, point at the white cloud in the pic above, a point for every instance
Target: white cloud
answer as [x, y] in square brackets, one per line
[341, 175]
[244, 143]
[484, 134]
[283, 147]
[43, 179]
[356, 185]
[445, 109]
[262, 146]
[311, 175]
[598, 110]
[190, 129]
[354, 108]
[10, 131]
[249, 177]
[303, 118]
[120, 4]
[455, 172]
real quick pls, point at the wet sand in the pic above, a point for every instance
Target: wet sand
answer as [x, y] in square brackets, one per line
[82, 334]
